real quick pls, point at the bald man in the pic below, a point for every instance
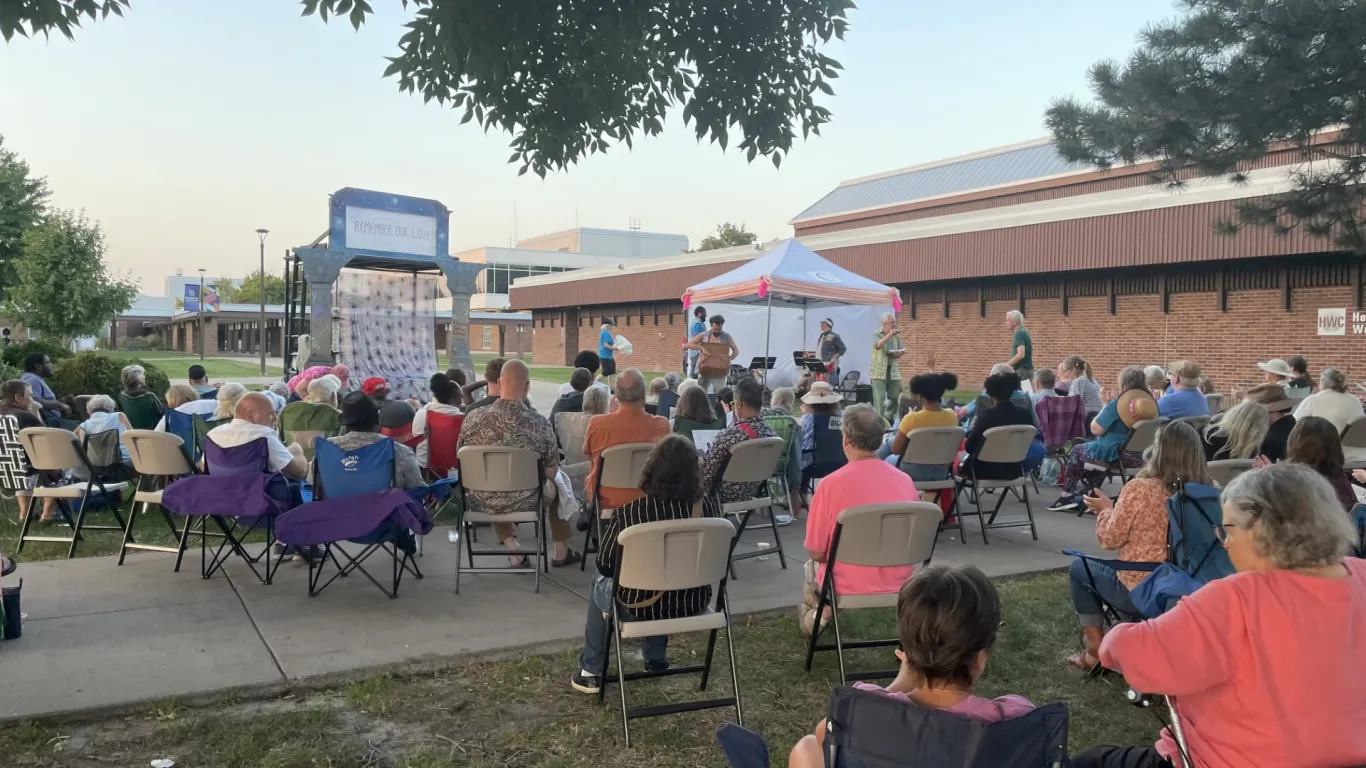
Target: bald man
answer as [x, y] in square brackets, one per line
[254, 419]
[629, 423]
[508, 422]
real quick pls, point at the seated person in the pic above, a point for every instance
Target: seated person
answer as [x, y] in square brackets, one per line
[1264, 665]
[226, 401]
[579, 382]
[670, 490]
[864, 480]
[254, 419]
[444, 396]
[1335, 403]
[199, 380]
[657, 386]
[1156, 380]
[725, 400]
[1045, 385]
[1001, 388]
[324, 391]
[457, 376]
[278, 394]
[1184, 398]
[669, 397]
[184, 399]
[102, 416]
[1239, 434]
[695, 411]
[37, 370]
[360, 427]
[589, 361]
[510, 423]
[1111, 429]
[928, 389]
[1019, 398]
[1299, 374]
[1278, 406]
[820, 400]
[778, 414]
[749, 399]
[947, 619]
[1316, 443]
[1136, 526]
[1075, 378]
[16, 401]
[629, 423]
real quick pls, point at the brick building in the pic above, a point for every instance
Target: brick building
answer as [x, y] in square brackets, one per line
[1103, 264]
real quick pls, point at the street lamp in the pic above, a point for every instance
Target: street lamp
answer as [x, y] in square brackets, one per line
[261, 334]
[200, 338]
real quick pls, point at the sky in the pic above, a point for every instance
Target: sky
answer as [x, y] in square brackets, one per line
[185, 126]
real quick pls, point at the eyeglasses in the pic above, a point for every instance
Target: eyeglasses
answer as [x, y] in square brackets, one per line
[1221, 531]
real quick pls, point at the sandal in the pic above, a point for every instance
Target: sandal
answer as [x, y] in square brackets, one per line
[570, 558]
[519, 561]
[1085, 661]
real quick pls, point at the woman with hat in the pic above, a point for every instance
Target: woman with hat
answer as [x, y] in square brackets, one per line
[1278, 406]
[1111, 428]
[1277, 371]
[821, 399]
[360, 424]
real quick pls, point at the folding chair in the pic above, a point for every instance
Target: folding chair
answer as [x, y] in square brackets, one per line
[1001, 445]
[496, 469]
[570, 429]
[56, 450]
[252, 462]
[666, 556]
[443, 466]
[828, 455]
[937, 447]
[1215, 403]
[143, 411]
[866, 728]
[1222, 472]
[753, 461]
[1354, 436]
[848, 386]
[303, 423]
[182, 426]
[871, 536]
[15, 474]
[1198, 423]
[667, 402]
[1140, 438]
[364, 477]
[159, 458]
[201, 427]
[618, 467]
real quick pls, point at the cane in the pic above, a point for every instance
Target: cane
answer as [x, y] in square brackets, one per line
[1146, 700]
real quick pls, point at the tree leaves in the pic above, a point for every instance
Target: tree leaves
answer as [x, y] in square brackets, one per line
[1215, 91]
[30, 17]
[571, 79]
[23, 201]
[727, 235]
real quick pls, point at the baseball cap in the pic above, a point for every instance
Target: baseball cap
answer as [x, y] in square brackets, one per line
[375, 386]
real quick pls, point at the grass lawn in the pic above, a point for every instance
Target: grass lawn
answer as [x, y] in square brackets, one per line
[175, 364]
[523, 713]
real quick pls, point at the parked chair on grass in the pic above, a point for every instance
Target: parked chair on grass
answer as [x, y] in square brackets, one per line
[144, 411]
[754, 461]
[51, 451]
[620, 466]
[159, 458]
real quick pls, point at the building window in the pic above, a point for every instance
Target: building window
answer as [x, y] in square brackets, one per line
[488, 337]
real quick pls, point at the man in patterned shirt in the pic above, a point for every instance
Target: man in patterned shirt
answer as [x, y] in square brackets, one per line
[509, 423]
[749, 400]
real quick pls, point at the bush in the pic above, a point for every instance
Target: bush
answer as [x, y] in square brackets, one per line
[92, 373]
[150, 343]
[14, 354]
[8, 372]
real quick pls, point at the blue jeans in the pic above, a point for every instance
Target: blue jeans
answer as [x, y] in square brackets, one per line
[1105, 581]
[595, 636]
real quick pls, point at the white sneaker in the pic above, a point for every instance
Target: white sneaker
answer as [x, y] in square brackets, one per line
[781, 520]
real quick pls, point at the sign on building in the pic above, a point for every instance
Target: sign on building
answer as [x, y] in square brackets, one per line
[1341, 322]
[387, 225]
[211, 303]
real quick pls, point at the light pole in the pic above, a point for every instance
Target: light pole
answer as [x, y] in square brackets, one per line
[200, 335]
[261, 335]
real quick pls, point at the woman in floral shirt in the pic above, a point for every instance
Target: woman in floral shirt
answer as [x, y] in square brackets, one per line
[1136, 526]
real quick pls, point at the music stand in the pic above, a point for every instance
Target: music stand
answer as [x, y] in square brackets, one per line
[760, 366]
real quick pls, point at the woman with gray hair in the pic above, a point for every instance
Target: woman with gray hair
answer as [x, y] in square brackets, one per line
[228, 395]
[1264, 666]
[142, 408]
[134, 380]
[1155, 378]
[323, 390]
[596, 400]
[1111, 429]
[1334, 403]
[102, 416]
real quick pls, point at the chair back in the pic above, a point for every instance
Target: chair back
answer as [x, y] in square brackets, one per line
[182, 426]
[1198, 423]
[652, 409]
[302, 422]
[1298, 393]
[570, 429]
[51, 449]
[848, 384]
[785, 428]
[1143, 435]
[686, 427]
[443, 439]
[143, 411]
[865, 729]
[675, 554]
[1223, 471]
[247, 459]
[828, 437]
[497, 469]
[13, 461]
[1006, 445]
[1354, 434]
[210, 395]
[1358, 517]
[157, 454]
[754, 460]
[202, 427]
[306, 438]
[622, 465]
[1215, 402]
[338, 473]
[886, 535]
[1061, 419]
[1192, 513]
[667, 401]
[935, 446]
[102, 451]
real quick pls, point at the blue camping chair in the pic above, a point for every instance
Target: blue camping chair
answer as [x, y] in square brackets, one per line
[1358, 515]
[182, 426]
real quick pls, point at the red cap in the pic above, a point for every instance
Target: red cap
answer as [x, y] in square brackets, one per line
[374, 386]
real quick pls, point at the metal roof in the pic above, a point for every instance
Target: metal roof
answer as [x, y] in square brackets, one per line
[993, 168]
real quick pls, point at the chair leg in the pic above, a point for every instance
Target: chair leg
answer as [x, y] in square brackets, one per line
[1029, 510]
[706, 663]
[958, 513]
[734, 674]
[981, 516]
[606, 658]
[815, 626]
[777, 540]
[128, 531]
[460, 531]
[621, 682]
[839, 639]
[34, 509]
[76, 529]
[541, 547]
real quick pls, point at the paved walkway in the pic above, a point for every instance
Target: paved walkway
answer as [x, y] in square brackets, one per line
[98, 635]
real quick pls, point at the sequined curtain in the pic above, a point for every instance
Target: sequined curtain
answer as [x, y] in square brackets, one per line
[386, 328]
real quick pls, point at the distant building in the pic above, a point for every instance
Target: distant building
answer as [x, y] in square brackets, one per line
[621, 243]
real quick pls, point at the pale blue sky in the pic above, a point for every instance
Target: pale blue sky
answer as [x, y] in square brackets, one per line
[186, 125]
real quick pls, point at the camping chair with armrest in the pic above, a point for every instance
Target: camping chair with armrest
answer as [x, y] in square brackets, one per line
[354, 501]
[53, 450]
[1223, 471]
[498, 469]
[1354, 436]
[620, 467]
[866, 729]
[666, 556]
[159, 458]
[200, 427]
[182, 426]
[785, 428]
[936, 447]
[443, 465]
[667, 402]
[753, 461]
[144, 411]
[1062, 420]
[877, 536]
[303, 423]
[263, 496]
[1000, 445]
[403, 436]
[828, 456]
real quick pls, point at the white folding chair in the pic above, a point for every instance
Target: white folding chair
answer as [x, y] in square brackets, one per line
[570, 429]
[496, 469]
[1000, 445]
[1354, 436]
[620, 466]
[663, 557]
[875, 536]
[753, 461]
[938, 447]
[57, 450]
[1222, 472]
[158, 458]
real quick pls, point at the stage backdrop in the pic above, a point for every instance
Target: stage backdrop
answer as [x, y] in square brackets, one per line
[797, 329]
[386, 329]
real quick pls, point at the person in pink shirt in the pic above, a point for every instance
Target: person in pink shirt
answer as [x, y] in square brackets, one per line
[1264, 666]
[866, 479]
[947, 620]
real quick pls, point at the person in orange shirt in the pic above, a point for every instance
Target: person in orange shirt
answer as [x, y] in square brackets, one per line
[629, 423]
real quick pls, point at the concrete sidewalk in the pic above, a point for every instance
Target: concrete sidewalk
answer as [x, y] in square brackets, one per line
[100, 636]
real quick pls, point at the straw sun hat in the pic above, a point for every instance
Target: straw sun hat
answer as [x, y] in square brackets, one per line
[821, 392]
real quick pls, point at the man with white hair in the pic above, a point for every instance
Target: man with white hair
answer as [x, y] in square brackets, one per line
[254, 419]
[885, 370]
[1021, 346]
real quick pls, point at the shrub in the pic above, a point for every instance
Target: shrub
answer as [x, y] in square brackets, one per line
[14, 354]
[150, 343]
[8, 372]
[92, 373]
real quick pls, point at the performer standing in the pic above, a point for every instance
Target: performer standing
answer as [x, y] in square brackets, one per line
[885, 372]
[690, 356]
[830, 347]
[1021, 346]
[712, 367]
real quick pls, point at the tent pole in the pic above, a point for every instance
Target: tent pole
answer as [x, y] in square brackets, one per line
[768, 335]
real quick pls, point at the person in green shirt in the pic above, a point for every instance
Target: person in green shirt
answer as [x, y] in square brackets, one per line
[884, 373]
[1021, 347]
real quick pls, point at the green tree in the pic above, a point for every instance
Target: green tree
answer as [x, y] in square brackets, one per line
[1212, 92]
[62, 286]
[31, 17]
[23, 199]
[570, 79]
[249, 292]
[727, 235]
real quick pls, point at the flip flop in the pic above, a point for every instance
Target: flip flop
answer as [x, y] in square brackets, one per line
[7, 566]
[570, 558]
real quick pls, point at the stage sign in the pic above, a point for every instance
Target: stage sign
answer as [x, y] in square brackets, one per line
[211, 303]
[387, 225]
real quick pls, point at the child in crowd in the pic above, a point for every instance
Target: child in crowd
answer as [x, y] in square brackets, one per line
[947, 620]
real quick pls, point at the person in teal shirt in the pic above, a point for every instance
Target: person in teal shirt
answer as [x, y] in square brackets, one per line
[1021, 347]
[1111, 429]
[605, 349]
